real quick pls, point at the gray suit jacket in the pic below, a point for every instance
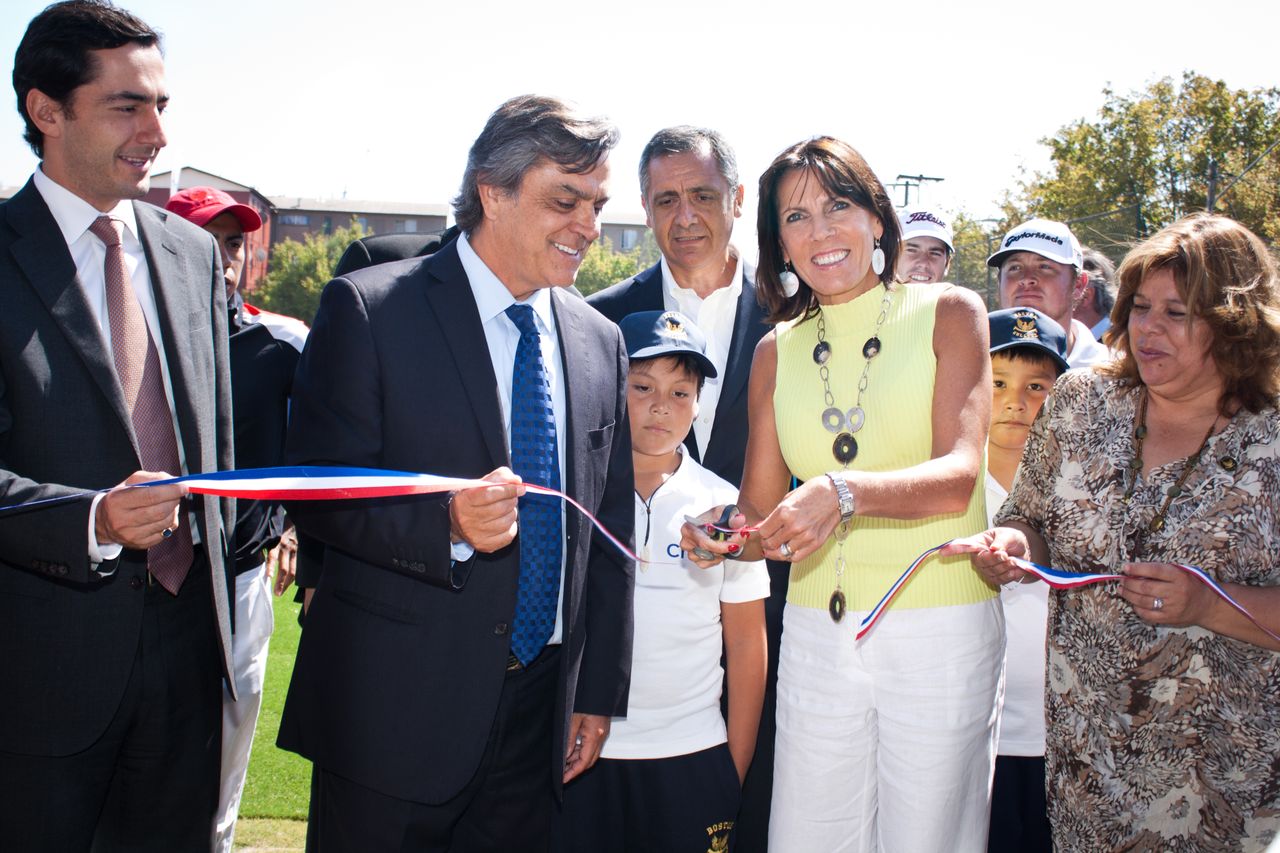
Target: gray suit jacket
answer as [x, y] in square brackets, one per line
[68, 636]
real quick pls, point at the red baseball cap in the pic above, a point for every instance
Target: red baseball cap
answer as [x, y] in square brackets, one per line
[203, 204]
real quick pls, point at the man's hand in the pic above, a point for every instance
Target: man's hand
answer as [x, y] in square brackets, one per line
[138, 518]
[583, 744]
[283, 560]
[485, 518]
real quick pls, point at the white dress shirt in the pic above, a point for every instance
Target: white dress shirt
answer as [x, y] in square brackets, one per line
[74, 215]
[502, 336]
[714, 315]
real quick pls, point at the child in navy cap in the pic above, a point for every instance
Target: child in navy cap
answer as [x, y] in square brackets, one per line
[1028, 354]
[669, 776]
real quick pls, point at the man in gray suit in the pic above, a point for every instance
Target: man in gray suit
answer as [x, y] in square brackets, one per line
[114, 627]
[691, 194]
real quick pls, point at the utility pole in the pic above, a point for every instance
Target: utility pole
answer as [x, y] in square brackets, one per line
[1213, 185]
[909, 181]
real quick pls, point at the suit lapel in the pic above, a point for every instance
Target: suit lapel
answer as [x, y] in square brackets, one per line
[42, 255]
[580, 369]
[449, 295]
[645, 293]
[741, 350]
[178, 294]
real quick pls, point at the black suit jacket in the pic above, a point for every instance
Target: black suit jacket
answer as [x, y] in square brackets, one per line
[727, 449]
[384, 248]
[404, 655]
[68, 637]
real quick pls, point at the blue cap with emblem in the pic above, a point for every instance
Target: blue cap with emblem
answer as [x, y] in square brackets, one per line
[653, 334]
[1027, 327]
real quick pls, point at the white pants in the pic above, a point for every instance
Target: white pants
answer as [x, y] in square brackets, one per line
[254, 623]
[887, 744]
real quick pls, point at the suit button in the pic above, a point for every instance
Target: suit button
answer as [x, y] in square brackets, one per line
[500, 628]
[135, 582]
[62, 570]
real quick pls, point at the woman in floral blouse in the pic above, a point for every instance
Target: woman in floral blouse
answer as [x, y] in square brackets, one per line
[1162, 702]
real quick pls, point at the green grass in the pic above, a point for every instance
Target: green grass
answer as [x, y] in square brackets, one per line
[279, 782]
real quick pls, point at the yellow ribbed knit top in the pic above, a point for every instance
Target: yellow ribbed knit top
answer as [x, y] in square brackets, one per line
[897, 434]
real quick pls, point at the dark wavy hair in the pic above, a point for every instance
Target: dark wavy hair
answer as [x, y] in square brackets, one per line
[1227, 278]
[519, 135]
[843, 174]
[56, 53]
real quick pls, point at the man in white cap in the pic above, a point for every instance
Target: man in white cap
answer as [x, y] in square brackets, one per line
[927, 246]
[1041, 266]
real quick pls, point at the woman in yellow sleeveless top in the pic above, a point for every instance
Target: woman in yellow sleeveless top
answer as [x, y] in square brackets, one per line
[876, 397]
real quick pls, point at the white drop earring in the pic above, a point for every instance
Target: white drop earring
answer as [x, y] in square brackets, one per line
[877, 259]
[789, 280]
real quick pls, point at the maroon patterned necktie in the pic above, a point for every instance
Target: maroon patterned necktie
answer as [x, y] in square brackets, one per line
[138, 367]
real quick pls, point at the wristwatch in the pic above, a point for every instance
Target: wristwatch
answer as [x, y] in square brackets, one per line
[843, 496]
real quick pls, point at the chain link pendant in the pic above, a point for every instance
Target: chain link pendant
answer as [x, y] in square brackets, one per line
[845, 448]
[821, 352]
[837, 606]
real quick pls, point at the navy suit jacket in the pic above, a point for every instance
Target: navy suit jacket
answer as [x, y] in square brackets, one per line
[404, 655]
[727, 449]
[69, 637]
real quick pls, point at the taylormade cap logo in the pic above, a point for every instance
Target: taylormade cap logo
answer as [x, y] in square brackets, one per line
[1013, 238]
[1044, 237]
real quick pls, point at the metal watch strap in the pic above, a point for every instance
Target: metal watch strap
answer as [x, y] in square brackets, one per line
[843, 496]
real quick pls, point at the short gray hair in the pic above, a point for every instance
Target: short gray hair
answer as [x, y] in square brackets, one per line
[1102, 275]
[681, 140]
[519, 134]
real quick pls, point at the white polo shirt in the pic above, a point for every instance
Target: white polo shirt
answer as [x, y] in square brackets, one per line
[676, 677]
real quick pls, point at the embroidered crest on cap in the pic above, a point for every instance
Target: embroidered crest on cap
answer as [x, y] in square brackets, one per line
[1024, 326]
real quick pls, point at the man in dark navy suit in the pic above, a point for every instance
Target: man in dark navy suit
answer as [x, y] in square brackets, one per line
[463, 654]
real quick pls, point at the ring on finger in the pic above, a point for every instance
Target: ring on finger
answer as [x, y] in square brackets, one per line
[167, 532]
[1158, 604]
[785, 550]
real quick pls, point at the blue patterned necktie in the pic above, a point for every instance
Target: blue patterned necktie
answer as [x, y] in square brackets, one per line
[535, 458]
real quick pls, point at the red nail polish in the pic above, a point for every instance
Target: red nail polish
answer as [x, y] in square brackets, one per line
[733, 549]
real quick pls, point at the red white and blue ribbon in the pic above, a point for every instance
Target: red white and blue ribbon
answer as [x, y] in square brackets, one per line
[320, 483]
[1056, 578]
[310, 482]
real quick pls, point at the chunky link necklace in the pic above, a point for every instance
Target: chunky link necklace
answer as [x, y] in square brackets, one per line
[845, 424]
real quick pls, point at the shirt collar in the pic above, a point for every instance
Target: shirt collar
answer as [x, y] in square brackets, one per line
[675, 291]
[74, 215]
[491, 295]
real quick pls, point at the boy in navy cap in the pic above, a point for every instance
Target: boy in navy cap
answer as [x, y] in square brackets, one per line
[670, 773]
[1028, 354]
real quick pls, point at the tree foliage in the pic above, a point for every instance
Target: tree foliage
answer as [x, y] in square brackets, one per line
[602, 266]
[974, 241]
[1145, 161]
[298, 271]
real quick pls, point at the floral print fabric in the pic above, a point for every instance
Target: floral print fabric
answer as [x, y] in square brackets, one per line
[1158, 738]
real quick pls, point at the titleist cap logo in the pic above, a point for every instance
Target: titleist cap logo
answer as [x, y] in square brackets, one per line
[925, 216]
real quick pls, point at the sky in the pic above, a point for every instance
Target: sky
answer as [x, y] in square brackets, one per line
[380, 99]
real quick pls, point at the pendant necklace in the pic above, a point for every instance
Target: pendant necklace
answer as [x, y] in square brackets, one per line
[845, 424]
[1139, 435]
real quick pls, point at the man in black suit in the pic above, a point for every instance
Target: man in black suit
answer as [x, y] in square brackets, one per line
[691, 194]
[114, 625]
[450, 678]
